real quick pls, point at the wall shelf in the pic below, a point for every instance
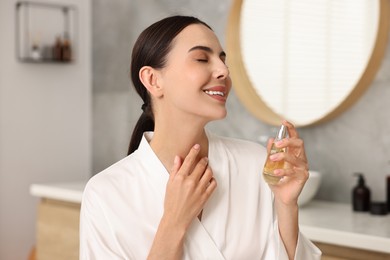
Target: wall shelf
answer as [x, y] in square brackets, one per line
[45, 32]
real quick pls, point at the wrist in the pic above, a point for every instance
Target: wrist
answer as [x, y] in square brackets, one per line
[287, 209]
[168, 241]
[292, 205]
[174, 230]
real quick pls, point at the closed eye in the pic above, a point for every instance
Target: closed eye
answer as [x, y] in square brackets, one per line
[223, 57]
[202, 60]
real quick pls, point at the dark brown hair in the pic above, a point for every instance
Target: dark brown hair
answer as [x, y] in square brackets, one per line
[151, 49]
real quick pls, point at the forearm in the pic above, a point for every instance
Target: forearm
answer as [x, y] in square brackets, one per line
[288, 226]
[168, 241]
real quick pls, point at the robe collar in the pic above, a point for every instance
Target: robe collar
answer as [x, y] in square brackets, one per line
[198, 241]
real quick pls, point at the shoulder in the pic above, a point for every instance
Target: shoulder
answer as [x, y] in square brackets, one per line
[239, 146]
[127, 170]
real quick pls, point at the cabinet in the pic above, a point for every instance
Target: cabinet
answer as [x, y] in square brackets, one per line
[57, 230]
[334, 252]
[58, 236]
[58, 216]
[340, 233]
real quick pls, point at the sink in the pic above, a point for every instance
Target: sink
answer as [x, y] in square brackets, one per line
[311, 188]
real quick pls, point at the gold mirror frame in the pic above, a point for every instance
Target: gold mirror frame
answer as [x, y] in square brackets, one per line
[255, 104]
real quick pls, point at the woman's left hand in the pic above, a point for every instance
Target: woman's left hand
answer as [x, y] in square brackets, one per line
[296, 170]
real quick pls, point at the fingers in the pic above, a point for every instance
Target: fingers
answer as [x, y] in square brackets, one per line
[203, 176]
[211, 187]
[292, 131]
[199, 169]
[295, 161]
[206, 177]
[175, 167]
[207, 183]
[189, 187]
[293, 165]
[294, 144]
[296, 173]
[291, 142]
[188, 163]
[269, 144]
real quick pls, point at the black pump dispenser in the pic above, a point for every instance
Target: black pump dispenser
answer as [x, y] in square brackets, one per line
[361, 195]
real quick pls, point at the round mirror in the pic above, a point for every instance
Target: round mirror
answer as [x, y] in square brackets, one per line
[302, 60]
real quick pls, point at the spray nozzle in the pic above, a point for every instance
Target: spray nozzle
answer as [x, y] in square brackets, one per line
[361, 180]
[282, 133]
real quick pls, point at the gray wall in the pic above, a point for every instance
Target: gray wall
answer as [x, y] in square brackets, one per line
[358, 140]
[45, 127]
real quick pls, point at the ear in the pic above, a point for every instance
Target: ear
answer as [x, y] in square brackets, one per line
[149, 78]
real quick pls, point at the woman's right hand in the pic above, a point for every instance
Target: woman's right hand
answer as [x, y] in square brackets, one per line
[190, 185]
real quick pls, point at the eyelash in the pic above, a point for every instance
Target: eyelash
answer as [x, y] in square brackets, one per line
[206, 60]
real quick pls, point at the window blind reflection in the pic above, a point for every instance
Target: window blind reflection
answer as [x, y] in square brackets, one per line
[304, 56]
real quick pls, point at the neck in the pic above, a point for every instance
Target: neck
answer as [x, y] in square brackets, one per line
[170, 140]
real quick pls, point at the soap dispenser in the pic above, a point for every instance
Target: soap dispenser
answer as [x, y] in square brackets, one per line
[361, 195]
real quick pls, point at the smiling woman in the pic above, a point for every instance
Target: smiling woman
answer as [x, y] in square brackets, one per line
[163, 201]
[302, 60]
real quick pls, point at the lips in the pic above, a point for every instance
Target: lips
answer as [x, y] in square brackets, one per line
[217, 92]
[212, 93]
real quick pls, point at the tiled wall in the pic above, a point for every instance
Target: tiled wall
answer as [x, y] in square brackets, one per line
[356, 141]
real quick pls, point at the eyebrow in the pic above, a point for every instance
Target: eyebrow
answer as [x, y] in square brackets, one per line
[207, 49]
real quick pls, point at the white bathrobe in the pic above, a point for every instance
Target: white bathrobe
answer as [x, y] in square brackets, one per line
[122, 207]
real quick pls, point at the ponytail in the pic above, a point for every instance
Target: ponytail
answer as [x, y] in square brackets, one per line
[145, 123]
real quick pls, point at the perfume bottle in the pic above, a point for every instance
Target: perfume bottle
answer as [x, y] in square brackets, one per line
[270, 166]
[35, 52]
[66, 48]
[57, 49]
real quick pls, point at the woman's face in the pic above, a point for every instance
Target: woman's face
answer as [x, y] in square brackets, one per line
[196, 79]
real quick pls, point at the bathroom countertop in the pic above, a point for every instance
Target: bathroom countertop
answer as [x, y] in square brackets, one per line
[320, 221]
[70, 191]
[336, 223]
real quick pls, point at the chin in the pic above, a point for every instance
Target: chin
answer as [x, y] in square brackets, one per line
[219, 116]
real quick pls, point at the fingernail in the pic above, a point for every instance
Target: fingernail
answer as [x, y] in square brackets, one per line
[196, 146]
[273, 156]
[279, 143]
[277, 172]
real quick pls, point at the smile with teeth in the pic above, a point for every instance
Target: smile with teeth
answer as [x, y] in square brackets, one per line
[212, 93]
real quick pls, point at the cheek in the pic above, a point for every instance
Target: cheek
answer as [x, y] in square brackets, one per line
[184, 75]
[187, 79]
[195, 70]
[229, 84]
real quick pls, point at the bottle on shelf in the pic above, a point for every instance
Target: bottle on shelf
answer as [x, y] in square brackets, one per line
[57, 49]
[35, 52]
[361, 195]
[66, 48]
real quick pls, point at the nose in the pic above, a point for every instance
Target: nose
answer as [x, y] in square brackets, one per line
[221, 70]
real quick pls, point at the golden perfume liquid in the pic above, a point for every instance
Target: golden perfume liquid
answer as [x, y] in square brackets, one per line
[270, 166]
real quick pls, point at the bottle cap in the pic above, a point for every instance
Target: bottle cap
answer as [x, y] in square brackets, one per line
[378, 208]
[282, 133]
[361, 180]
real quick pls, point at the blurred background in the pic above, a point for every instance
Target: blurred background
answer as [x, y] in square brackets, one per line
[67, 120]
